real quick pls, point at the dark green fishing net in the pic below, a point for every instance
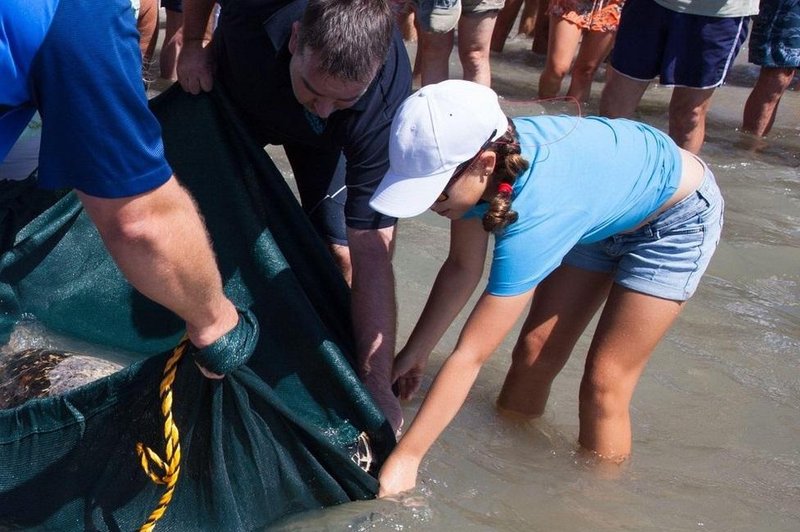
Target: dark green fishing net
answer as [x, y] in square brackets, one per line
[277, 436]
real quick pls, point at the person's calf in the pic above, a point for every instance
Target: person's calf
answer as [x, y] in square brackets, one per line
[526, 388]
[605, 426]
[687, 117]
[762, 104]
[434, 53]
[688, 131]
[476, 67]
[580, 86]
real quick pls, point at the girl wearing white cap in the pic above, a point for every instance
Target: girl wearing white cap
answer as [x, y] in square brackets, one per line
[583, 211]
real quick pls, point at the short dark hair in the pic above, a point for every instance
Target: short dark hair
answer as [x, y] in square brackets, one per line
[350, 37]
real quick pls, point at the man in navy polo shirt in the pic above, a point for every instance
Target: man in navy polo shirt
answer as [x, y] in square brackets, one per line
[99, 138]
[323, 78]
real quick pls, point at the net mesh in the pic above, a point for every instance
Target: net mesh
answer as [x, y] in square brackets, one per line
[292, 430]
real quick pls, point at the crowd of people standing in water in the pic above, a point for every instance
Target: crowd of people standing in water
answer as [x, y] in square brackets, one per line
[575, 37]
[581, 211]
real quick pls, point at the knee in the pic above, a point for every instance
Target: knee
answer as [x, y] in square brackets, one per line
[602, 398]
[537, 358]
[434, 51]
[772, 83]
[685, 123]
[529, 347]
[474, 59]
[584, 71]
[775, 79]
[555, 71]
[612, 104]
[687, 117]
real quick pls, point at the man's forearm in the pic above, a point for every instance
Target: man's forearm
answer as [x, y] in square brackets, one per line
[374, 313]
[374, 307]
[160, 244]
[195, 18]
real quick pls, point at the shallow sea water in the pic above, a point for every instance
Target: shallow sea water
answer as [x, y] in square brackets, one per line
[716, 415]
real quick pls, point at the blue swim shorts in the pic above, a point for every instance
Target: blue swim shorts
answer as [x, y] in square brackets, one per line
[775, 38]
[667, 256]
[682, 49]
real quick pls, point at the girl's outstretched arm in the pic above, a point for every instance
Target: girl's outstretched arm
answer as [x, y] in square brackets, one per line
[455, 283]
[487, 326]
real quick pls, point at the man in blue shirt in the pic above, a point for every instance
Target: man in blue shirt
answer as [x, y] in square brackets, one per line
[323, 78]
[99, 138]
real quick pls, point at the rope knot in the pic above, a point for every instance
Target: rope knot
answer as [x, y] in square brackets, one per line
[170, 466]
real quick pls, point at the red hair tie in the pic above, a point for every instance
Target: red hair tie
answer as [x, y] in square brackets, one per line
[505, 188]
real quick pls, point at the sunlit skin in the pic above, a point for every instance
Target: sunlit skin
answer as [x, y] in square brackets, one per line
[468, 188]
[629, 327]
[318, 92]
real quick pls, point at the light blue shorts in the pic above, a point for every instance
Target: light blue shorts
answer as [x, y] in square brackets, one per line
[667, 256]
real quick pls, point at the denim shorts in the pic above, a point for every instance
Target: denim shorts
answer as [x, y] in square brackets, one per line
[667, 256]
[441, 16]
[682, 49]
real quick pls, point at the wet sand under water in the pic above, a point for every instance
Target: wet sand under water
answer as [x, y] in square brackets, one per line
[716, 415]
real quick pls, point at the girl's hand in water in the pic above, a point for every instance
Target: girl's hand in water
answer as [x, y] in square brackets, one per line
[407, 373]
[398, 474]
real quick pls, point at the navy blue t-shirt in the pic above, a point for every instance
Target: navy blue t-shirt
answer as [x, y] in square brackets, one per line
[78, 63]
[252, 41]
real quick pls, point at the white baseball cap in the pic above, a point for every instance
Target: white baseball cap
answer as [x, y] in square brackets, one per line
[435, 130]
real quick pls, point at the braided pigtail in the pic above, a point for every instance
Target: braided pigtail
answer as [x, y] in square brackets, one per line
[509, 165]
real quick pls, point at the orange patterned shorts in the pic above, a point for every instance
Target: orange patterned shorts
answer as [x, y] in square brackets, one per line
[592, 15]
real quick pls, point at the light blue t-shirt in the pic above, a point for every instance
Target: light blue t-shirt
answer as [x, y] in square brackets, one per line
[589, 178]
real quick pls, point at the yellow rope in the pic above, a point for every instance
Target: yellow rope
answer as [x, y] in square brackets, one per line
[169, 467]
